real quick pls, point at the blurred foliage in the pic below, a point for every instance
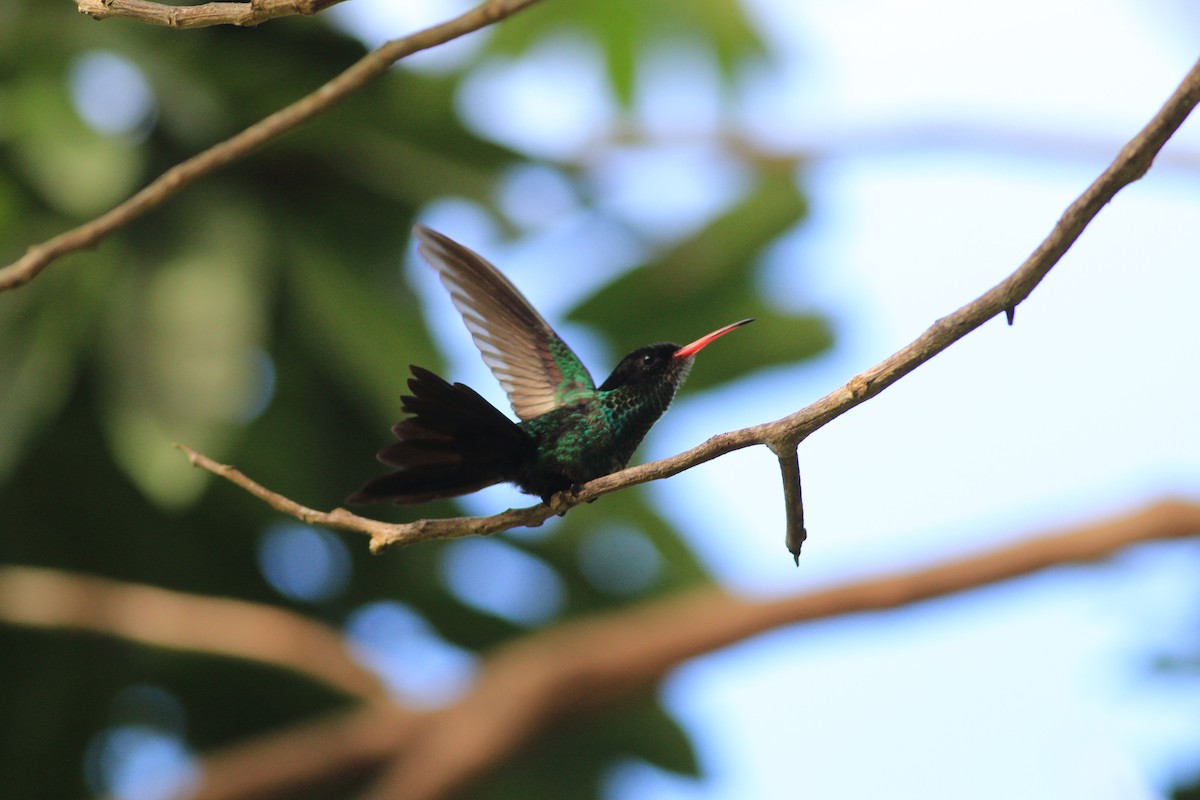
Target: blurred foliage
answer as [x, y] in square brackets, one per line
[627, 30]
[1188, 792]
[1185, 665]
[263, 317]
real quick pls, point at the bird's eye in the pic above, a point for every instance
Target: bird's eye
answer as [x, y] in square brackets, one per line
[647, 360]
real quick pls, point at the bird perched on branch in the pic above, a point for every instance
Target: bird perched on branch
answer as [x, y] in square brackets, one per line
[571, 431]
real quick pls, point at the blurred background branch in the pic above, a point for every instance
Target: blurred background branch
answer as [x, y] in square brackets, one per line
[247, 12]
[907, 138]
[149, 615]
[576, 669]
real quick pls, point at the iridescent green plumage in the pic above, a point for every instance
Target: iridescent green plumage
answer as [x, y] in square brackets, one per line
[571, 431]
[597, 434]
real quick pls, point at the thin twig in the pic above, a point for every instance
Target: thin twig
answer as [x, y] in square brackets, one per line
[199, 16]
[150, 615]
[1130, 165]
[793, 500]
[577, 667]
[183, 174]
[381, 533]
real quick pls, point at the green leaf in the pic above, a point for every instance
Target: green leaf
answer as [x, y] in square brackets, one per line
[181, 350]
[626, 30]
[367, 328]
[641, 728]
[45, 333]
[75, 169]
[404, 143]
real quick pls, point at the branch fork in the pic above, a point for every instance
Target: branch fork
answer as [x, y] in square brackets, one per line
[783, 435]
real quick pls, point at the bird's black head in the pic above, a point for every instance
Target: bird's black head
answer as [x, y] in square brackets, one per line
[663, 364]
[647, 366]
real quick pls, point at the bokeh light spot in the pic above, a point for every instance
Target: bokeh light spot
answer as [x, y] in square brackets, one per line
[667, 191]
[502, 580]
[263, 367]
[139, 762]
[415, 662]
[304, 563]
[558, 82]
[619, 561]
[110, 93]
[533, 195]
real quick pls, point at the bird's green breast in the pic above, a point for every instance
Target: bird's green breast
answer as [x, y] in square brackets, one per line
[574, 443]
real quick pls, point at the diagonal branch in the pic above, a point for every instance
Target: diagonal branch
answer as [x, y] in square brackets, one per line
[185, 173]
[245, 13]
[150, 615]
[786, 433]
[319, 752]
[577, 667]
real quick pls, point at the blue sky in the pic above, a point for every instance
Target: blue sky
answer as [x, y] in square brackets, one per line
[1040, 688]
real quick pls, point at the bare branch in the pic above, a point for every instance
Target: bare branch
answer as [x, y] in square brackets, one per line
[786, 433]
[246, 13]
[1130, 164]
[182, 175]
[319, 751]
[46, 598]
[894, 137]
[575, 668]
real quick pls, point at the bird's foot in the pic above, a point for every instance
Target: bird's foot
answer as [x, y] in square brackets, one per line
[562, 502]
[575, 489]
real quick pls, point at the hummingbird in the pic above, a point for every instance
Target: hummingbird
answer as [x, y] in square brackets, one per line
[454, 442]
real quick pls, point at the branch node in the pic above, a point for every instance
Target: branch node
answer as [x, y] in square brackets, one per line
[858, 386]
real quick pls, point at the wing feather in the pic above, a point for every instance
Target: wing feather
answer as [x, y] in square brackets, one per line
[536, 368]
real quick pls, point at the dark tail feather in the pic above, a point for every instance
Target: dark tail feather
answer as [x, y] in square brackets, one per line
[454, 443]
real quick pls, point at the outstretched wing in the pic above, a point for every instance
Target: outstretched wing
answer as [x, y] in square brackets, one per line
[536, 368]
